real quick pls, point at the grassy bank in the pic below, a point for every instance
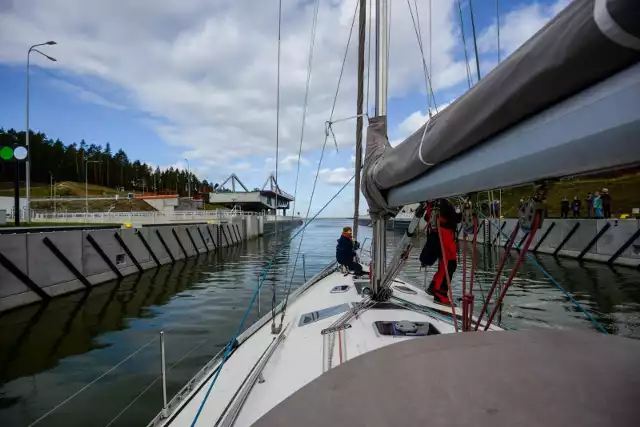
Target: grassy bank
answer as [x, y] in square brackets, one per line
[624, 191]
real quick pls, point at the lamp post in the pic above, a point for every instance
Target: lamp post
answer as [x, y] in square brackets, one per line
[188, 178]
[86, 184]
[28, 161]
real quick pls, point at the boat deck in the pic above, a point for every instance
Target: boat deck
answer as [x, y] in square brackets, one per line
[300, 357]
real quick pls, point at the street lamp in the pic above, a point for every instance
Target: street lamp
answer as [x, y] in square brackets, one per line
[188, 177]
[28, 162]
[86, 184]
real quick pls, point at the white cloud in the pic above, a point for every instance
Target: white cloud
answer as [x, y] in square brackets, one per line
[291, 160]
[242, 166]
[204, 71]
[414, 122]
[337, 176]
[85, 95]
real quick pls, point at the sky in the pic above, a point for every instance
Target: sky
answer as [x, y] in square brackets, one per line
[170, 80]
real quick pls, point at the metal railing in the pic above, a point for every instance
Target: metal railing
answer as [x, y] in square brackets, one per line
[141, 217]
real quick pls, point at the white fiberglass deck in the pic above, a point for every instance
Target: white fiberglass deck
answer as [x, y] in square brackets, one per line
[298, 359]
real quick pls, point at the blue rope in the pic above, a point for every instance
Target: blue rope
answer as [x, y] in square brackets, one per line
[253, 299]
[548, 276]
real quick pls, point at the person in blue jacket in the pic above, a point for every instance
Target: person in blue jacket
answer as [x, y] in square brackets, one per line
[346, 251]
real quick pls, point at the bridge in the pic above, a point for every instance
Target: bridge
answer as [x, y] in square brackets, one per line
[267, 199]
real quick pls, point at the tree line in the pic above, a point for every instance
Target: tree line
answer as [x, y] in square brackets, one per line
[98, 164]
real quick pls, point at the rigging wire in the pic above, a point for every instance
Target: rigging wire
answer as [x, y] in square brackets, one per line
[498, 27]
[306, 95]
[475, 43]
[369, 57]
[386, 86]
[277, 137]
[253, 299]
[327, 132]
[264, 274]
[464, 45]
[429, 87]
[430, 43]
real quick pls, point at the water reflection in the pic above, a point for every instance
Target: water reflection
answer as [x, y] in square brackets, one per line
[48, 352]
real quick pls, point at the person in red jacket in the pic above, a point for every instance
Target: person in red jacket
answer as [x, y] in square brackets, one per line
[449, 219]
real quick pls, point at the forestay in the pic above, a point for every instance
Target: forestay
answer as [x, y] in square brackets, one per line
[586, 43]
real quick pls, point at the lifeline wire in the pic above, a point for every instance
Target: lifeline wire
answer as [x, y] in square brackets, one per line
[92, 382]
[135, 399]
[253, 299]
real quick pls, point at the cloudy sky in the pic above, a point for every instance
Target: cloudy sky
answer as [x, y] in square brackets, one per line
[167, 80]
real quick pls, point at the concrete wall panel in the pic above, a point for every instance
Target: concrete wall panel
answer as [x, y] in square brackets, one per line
[193, 229]
[205, 234]
[214, 231]
[45, 268]
[135, 245]
[171, 242]
[149, 233]
[545, 226]
[92, 262]
[554, 238]
[230, 234]
[619, 232]
[14, 248]
[181, 231]
[582, 236]
[222, 233]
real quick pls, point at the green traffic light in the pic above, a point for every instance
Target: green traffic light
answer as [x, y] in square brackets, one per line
[6, 153]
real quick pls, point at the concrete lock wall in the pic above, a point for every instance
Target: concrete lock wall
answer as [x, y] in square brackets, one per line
[14, 248]
[31, 271]
[616, 245]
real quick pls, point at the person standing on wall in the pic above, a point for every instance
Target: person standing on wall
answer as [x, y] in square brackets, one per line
[606, 203]
[564, 208]
[575, 207]
[597, 205]
[589, 200]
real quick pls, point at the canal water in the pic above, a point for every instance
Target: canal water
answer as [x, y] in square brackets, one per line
[49, 353]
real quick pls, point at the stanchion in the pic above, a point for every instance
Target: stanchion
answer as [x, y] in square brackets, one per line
[164, 376]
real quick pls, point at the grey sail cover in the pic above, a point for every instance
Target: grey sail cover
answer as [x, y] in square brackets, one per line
[587, 42]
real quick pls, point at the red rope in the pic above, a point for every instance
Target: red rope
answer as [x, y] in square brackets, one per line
[474, 248]
[503, 261]
[464, 279]
[514, 271]
[446, 273]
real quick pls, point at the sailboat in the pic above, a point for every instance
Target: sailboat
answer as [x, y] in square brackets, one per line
[377, 351]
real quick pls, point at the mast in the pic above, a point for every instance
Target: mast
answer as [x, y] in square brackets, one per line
[380, 225]
[360, 100]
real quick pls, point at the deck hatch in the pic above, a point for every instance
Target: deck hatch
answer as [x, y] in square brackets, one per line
[405, 290]
[404, 328]
[314, 316]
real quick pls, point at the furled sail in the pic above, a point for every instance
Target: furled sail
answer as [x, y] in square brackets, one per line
[589, 41]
